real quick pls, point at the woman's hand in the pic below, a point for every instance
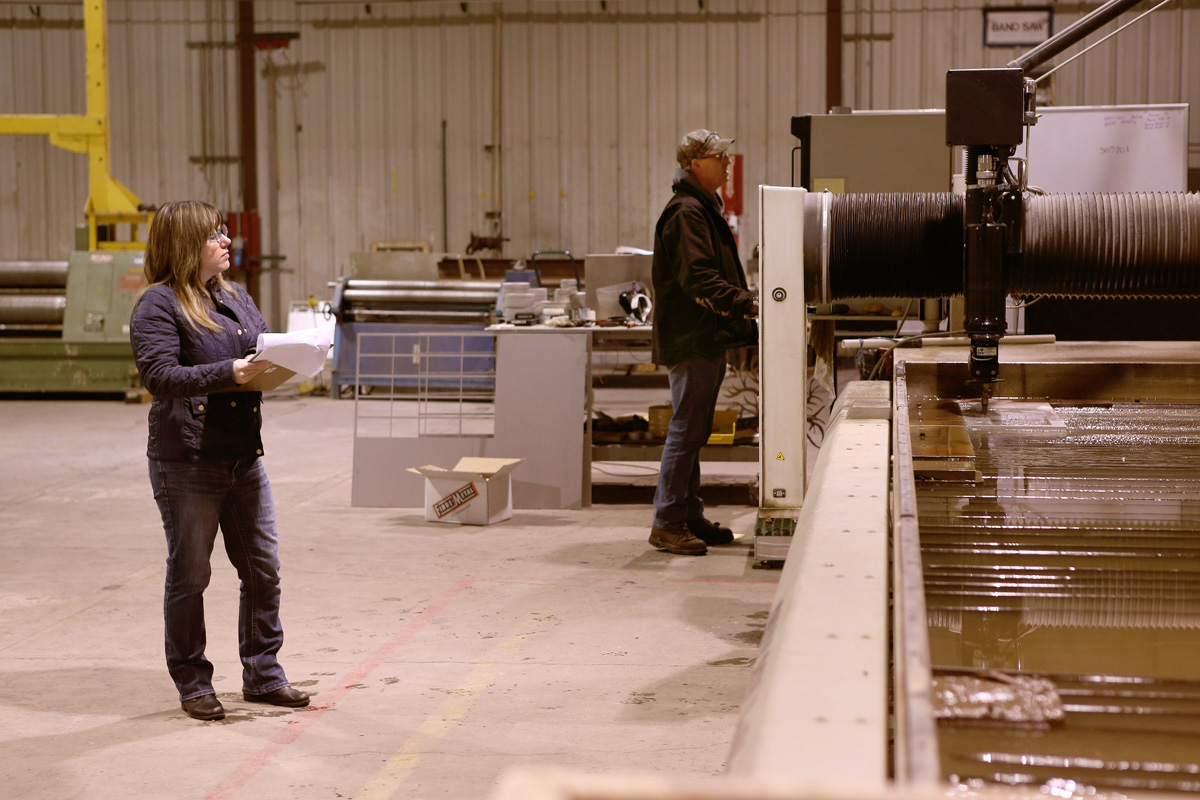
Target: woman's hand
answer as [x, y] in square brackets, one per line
[244, 369]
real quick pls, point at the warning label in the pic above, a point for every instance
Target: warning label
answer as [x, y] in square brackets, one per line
[456, 499]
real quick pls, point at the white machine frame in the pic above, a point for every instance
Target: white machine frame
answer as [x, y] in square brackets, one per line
[783, 388]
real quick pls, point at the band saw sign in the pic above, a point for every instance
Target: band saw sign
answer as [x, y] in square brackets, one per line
[1009, 27]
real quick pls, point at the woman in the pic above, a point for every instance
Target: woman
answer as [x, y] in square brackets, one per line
[191, 330]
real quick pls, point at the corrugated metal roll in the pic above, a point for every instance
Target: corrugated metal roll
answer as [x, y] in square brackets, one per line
[1133, 244]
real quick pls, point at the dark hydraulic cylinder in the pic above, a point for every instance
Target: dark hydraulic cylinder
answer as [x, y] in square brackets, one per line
[983, 310]
[1072, 34]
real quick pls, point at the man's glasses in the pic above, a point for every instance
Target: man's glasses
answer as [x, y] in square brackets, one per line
[219, 234]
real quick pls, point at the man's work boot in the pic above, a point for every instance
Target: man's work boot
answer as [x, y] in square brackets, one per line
[710, 532]
[677, 540]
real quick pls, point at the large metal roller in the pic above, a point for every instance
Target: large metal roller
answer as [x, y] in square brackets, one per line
[417, 302]
[458, 286]
[32, 310]
[33, 274]
[392, 306]
[28, 296]
[417, 297]
[429, 315]
[365, 296]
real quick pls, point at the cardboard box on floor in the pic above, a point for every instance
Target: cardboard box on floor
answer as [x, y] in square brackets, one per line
[476, 492]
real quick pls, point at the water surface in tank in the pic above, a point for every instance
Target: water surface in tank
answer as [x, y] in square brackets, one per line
[1064, 543]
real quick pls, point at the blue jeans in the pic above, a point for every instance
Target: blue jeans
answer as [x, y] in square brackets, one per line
[194, 498]
[695, 388]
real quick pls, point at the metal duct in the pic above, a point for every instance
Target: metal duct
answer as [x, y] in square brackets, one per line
[1110, 245]
[1073, 245]
[906, 244]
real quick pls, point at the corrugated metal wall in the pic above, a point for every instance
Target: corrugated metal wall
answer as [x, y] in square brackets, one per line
[592, 97]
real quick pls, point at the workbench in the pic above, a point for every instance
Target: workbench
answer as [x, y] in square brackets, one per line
[539, 409]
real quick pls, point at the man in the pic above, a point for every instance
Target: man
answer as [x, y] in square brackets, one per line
[701, 307]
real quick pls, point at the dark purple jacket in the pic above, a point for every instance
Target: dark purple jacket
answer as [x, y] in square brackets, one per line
[701, 302]
[195, 415]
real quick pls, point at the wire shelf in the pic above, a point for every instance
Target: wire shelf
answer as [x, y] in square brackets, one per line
[410, 385]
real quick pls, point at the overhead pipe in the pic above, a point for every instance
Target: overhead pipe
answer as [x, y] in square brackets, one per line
[1072, 34]
[833, 54]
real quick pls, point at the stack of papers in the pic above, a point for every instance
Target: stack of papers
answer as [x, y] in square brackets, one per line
[303, 352]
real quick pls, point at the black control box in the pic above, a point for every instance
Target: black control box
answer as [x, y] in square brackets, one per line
[985, 106]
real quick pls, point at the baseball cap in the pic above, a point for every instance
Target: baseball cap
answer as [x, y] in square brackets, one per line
[700, 143]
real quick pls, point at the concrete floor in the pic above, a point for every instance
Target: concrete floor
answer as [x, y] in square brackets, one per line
[438, 656]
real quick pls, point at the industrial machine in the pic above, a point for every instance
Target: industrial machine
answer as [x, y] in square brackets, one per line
[992, 577]
[110, 204]
[64, 326]
[995, 240]
[397, 292]
[405, 306]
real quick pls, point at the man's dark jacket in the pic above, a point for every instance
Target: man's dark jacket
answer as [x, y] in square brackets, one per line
[189, 371]
[701, 300]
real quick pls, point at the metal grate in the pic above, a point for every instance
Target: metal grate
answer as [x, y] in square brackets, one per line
[411, 385]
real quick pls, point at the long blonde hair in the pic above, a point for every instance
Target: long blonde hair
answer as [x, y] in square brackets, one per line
[178, 236]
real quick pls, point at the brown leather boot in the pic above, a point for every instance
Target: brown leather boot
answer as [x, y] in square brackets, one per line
[204, 707]
[710, 532]
[677, 540]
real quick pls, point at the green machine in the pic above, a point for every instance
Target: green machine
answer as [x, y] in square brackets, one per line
[64, 326]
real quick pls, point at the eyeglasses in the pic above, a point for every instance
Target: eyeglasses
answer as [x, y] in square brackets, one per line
[219, 234]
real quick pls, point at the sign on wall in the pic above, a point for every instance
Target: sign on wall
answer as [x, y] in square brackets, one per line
[1006, 27]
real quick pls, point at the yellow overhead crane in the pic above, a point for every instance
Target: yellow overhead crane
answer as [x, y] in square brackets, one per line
[65, 327]
[109, 201]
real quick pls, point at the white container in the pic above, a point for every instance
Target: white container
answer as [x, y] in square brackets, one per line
[565, 291]
[476, 492]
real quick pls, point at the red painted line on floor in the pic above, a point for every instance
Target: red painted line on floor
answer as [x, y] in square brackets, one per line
[575, 579]
[304, 719]
[720, 580]
[307, 717]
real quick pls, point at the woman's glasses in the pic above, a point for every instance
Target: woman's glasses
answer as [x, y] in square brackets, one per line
[219, 234]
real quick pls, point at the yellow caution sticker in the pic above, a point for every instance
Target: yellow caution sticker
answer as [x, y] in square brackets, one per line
[780, 456]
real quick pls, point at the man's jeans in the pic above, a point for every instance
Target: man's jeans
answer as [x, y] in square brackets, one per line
[695, 388]
[194, 497]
